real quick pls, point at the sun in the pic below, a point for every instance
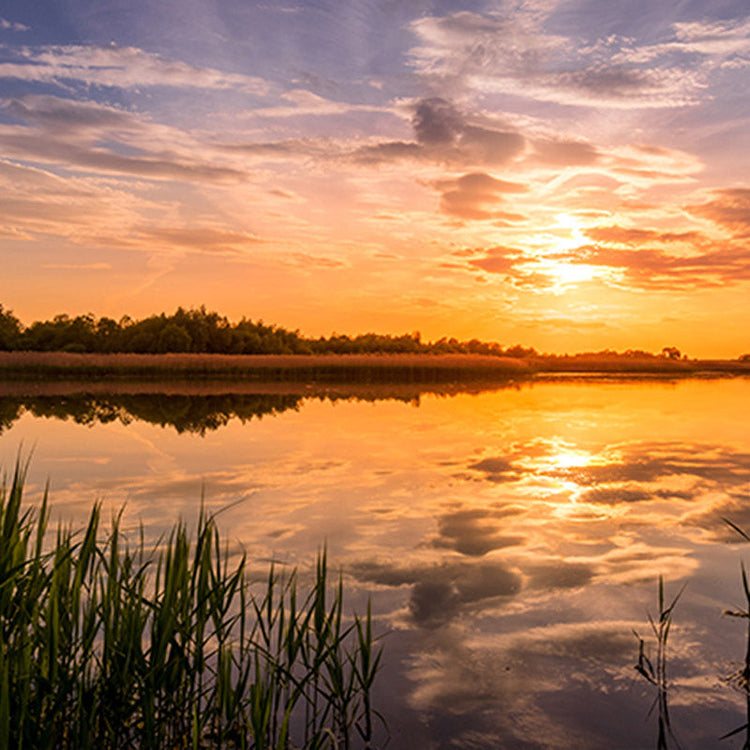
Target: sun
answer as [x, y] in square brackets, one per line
[565, 274]
[567, 235]
[570, 225]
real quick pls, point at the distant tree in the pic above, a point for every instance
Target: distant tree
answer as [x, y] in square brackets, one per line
[671, 352]
[520, 351]
[173, 338]
[108, 335]
[10, 330]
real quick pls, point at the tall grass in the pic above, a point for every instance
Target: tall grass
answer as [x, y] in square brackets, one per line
[326, 368]
[655, 670]
[106, 643]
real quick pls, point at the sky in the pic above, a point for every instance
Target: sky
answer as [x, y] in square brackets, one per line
[565, 174]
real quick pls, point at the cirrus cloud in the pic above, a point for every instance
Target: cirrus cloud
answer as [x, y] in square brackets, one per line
[121, 67]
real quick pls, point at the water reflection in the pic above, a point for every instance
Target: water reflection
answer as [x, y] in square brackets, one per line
[196, 414]
[509, 540]
[189, 407]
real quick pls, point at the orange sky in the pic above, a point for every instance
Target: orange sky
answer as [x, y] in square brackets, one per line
[565, 175]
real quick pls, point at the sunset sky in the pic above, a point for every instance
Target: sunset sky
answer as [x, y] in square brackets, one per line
[570, 175]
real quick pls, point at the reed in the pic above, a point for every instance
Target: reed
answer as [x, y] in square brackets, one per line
[109, 643]
[655, 671]
[293, 368]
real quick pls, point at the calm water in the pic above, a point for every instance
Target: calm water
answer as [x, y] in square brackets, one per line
[510, 541]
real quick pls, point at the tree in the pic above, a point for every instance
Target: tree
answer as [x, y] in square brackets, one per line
[173, 338]
[10, 330]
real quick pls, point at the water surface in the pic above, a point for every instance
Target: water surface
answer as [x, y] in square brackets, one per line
[510, 540]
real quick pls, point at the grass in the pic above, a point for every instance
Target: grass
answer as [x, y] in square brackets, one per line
[656, 671]
[107, 644]
[741, 677]
[364, 368]
[343, 368]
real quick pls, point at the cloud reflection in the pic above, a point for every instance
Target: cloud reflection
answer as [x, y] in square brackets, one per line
[474, 532]
[440, 593]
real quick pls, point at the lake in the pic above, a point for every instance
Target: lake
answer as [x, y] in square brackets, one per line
[510, 540]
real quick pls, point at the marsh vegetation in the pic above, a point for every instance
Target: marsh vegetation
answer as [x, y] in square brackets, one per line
[106, 642]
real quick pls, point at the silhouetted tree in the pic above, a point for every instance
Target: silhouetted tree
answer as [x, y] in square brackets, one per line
[10, 330]
[671, 352]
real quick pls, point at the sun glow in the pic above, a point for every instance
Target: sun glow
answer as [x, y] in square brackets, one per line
[566, 274]
[554, 255]
[570, 459]
[573, 228]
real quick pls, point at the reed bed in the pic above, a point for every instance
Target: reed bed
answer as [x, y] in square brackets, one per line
[345, 368]
[340, 368]
[106, 644]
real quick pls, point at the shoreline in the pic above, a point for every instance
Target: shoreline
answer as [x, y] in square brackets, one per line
[22, 366]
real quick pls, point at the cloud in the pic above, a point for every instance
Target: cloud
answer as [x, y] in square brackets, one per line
[658, 269]
[98, 159]
[199, 238]
[619, 235]
[35, 200]
[12, 26]
[474, 195]
[121, 67]
[436, 122]
[497, 467]
[510, 52]
[78, 266]
[730, 210]
[103, 212]
[503, 260]
[565, 153]
[303, 103]
[517, 267]
[285, 150]
[445, 134]
[708, 39]
[99, 138]
[65, 115]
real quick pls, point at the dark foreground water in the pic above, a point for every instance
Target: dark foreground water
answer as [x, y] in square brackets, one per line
[510, 540]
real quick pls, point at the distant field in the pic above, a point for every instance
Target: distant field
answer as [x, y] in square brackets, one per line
[339, 368]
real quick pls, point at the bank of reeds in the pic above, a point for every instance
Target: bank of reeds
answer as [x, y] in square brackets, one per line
[359, 369]
[109, 644]
[329, 368]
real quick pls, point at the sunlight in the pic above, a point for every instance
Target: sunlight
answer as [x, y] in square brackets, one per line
[576, 237]
[565, 274]
[553, 261]
[569, 459]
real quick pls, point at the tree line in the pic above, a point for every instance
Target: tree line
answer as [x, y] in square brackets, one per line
[204, 332]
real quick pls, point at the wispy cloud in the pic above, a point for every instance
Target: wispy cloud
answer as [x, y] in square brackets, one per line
[510, 52]
[730, 210]
[476, 195]
[78, 266]
[98, 138]
[122, 67]
[6, 25]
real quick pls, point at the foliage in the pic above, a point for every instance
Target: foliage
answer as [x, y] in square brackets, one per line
[104, 644]
[204, 332]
